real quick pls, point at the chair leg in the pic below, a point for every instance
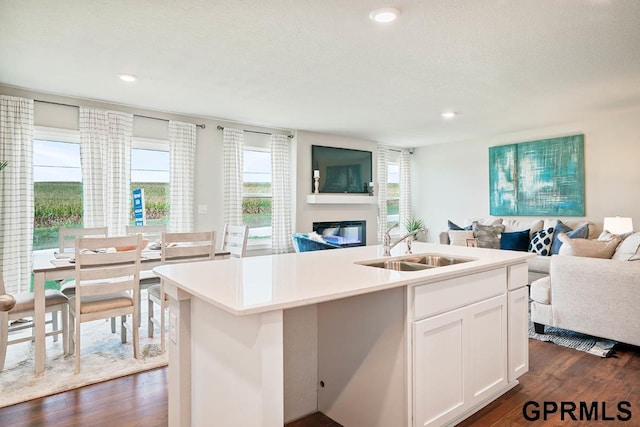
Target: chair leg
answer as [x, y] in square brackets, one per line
[150, 318]
[54, 324]
[77, 343]
[113, 325]
[4, 338]
[136, 335]
[65, 329]
[123, 329]
[139, 307]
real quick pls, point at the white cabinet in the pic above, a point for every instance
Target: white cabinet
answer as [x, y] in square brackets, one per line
[459, 360]
[518, 324]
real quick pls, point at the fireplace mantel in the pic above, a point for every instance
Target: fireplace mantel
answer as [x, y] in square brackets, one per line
[341, 199]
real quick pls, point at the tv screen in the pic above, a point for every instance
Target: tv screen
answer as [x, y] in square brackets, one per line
[342, 170]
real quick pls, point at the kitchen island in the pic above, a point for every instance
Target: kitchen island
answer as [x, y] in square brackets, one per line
[261, 341]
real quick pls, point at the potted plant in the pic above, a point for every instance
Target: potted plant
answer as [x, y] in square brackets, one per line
[414, 224]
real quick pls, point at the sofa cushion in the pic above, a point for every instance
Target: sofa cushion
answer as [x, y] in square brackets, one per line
[579, 233]
[541, 242]
[511, 225]
[541, 290]
[459, 237]
[628, 249]
[515, 240]
[586, 247]
[488, 235]
[453, 226]
[483, 221]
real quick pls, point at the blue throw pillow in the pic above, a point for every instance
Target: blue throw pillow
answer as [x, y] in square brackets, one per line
[515, 241]
[456, 227]
[579, 233]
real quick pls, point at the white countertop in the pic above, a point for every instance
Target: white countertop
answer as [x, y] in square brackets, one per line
[274, 282]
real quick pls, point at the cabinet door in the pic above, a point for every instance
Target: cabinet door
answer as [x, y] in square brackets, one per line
[518, 326]
[487, 348]
[440, 367]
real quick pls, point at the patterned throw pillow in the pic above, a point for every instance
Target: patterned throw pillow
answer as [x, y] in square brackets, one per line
[541, 242]
[578, 233]
[488, 235]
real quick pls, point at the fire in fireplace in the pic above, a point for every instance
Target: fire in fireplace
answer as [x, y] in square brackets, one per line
[343, 233]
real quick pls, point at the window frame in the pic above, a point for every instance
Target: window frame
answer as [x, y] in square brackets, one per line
[266, 243]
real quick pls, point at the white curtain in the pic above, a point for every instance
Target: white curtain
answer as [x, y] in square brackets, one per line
[233, 146]
[281, 195]
[16, 192]
[405, 189]
[383, 160]
[105, 156]
[182, 153]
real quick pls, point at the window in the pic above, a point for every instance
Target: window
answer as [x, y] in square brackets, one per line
[393, 191]
[57, 186]
[256, 189]
[150, 171]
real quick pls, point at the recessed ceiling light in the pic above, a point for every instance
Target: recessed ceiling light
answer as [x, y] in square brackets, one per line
[384, 15]
[448, 114]
[127, 78]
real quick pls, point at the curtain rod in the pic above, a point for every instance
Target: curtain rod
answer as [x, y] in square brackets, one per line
[254, 131]
[201, 126]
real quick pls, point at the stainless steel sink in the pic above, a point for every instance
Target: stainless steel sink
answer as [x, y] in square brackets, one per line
[398, 265]
[416, 262]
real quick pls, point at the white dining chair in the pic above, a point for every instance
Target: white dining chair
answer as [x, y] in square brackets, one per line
[234, 240]
[177, 247]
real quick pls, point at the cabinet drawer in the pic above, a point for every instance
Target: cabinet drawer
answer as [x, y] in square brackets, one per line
[518, 275]
[438, 297]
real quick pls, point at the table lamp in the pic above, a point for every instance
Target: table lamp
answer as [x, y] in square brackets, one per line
[618, 225]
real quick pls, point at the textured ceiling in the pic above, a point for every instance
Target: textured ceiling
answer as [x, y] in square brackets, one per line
[505, 65]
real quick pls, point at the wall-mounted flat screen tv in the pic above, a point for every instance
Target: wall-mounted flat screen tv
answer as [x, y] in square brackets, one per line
[342, 170]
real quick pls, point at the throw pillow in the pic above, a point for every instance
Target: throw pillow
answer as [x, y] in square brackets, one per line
[454, 226]
[578, 233]
[459, 237]
[541, 242]
[511, 225]
[628, 249]
[587, 248]
[488, 235]
[605, 235]
[515, 241]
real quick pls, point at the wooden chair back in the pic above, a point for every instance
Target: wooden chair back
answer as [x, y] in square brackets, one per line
[67, 236]
[234, 239]
[102, 270]
[150, 232]
[193, 246]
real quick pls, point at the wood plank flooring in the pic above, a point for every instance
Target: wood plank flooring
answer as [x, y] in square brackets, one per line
[556, 374]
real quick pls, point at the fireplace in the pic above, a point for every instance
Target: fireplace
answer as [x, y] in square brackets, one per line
[343, 233]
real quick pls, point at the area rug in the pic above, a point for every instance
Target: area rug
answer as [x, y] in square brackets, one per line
[103, 357]
[587, 343]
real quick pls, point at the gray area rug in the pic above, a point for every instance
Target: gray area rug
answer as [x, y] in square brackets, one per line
[103, 357]
[587, 343]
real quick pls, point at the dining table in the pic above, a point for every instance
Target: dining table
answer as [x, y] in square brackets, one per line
[50, 265]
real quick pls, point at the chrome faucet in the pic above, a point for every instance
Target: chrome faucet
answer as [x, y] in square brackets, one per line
[387, 239]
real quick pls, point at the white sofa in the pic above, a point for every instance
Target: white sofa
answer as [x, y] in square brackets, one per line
[599, 297]
[540, 265]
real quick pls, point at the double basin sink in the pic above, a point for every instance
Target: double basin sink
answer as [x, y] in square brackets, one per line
[416, 262]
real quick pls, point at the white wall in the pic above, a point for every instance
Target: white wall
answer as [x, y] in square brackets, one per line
[306, 213]
[451, 181]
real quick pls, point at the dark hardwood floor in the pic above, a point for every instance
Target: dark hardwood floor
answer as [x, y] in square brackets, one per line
[556, 374]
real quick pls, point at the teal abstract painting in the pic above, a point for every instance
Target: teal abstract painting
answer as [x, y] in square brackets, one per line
[537, 178]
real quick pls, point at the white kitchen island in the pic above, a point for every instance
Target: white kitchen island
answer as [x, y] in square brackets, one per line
[261, 341]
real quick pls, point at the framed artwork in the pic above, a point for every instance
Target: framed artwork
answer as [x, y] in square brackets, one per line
[538, 178]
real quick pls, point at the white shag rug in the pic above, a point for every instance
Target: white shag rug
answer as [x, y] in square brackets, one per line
[103, 357]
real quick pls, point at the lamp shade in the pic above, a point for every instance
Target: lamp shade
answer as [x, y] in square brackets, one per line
[618, 225]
